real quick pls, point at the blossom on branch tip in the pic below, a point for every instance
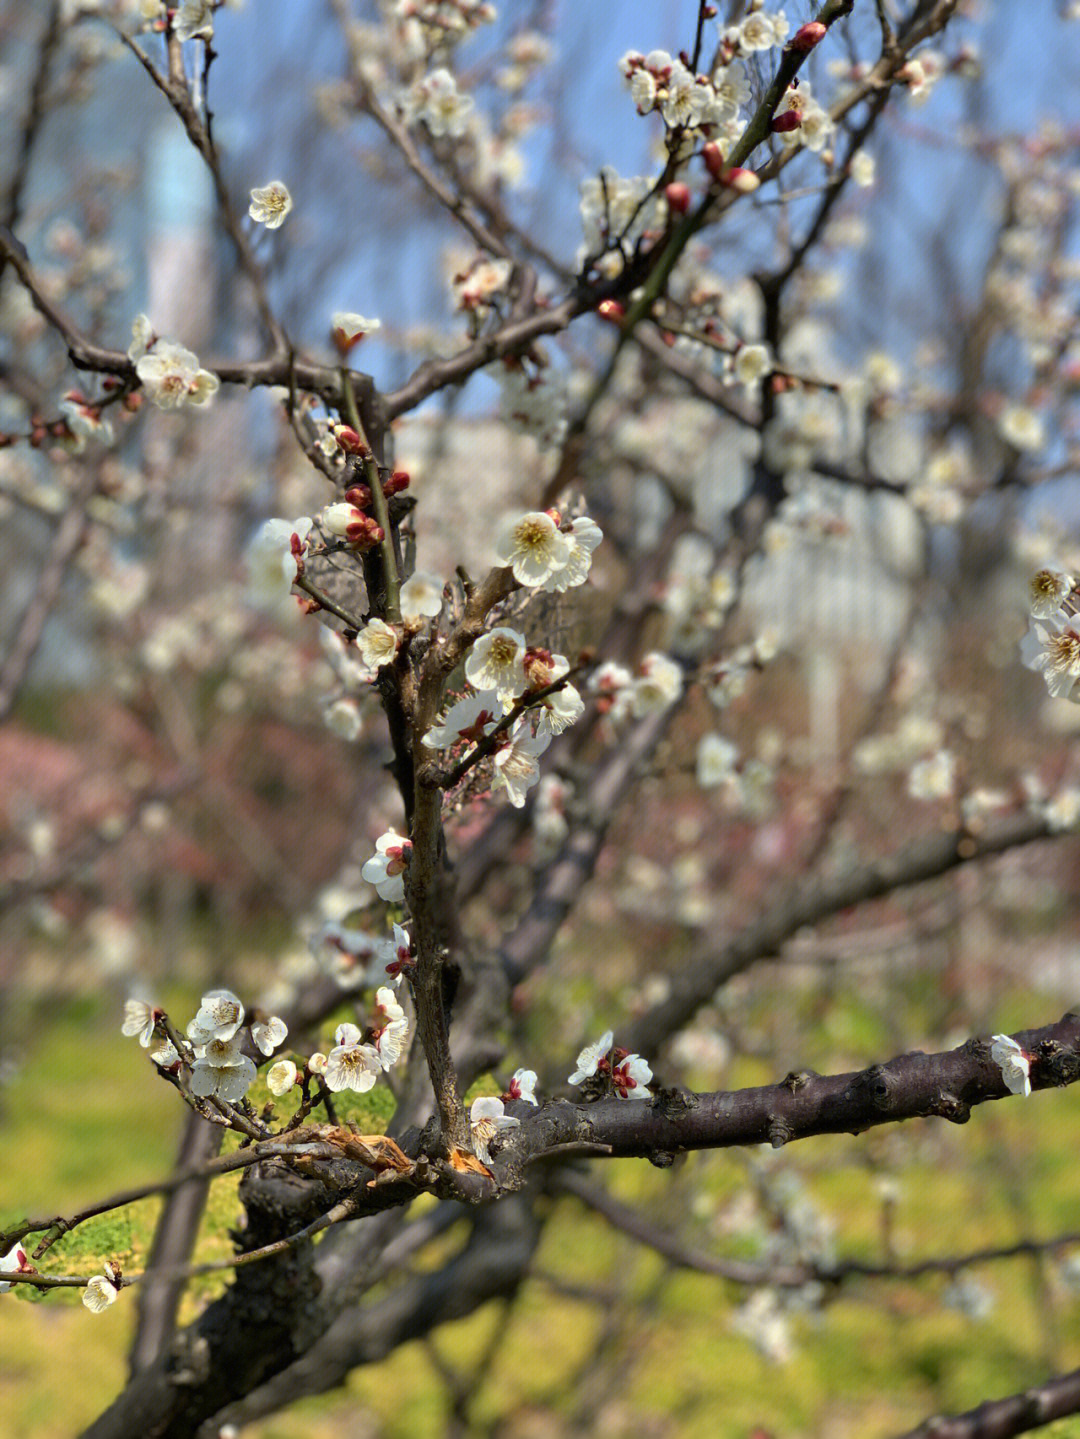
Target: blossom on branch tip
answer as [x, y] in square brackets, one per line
[558, 711]
[1014, 1063]
[1049, 589]
[220, 1015]
[270, 204]
[348, 329]
[1052, 648]
[102, 1290]
[275, 556]
[281, 1077]
[486, 1121]
[386, 867]
[140, 1019]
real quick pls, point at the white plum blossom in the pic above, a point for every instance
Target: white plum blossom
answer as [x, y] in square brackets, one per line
[559, 710]
[630, 1078]
[101, 1291]
[143, 336]
[516, 769]
[437, 102]
[352, 1066]
[281, 1077]
[1021, 427]
[968, 1297]
[222, 1071]
[140, 1019]
[475, 287]
[267, 1034]
[1063, 811]
[271, 557]
[496, 662]
[760, 31]
[343, 718]
[386, 868]
[421, 596]
[394, 1033]
[522, 1086]
[588, 1061]
[1049, 589]
[1052, 648]
[220, 1015]
[1014, 1063]
[862, 168]
[658, 684]
[15, 1261]
[167, 1056]
[716, 758]
[933, 778]
[486, 1121]
[270, 204]
[171, 376]
[751, 364]
[194, 19]
[534, 548]
[378, 643]
[469, 719]
[584, 536]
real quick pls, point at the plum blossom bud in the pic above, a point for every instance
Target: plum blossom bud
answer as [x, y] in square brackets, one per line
[613, 310]
[807, 36]
[281, 1077]
[787, 121]
[350, 441]
[348, 329]
[744, 181]
[397, 482]
[678, 197]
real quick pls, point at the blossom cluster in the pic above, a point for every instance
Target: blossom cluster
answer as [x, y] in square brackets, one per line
[1052, 645]
[604, 1068]
[169, 374]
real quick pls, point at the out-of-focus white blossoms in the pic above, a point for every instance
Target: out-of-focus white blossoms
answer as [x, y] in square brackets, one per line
[169, 374]
[716, 758]
[421, 596]
[270, 204]
[1021, 427]
[933, 778]
[386, 868]
[486, 1121]
[343, 718]
[273, 557]
[1014, 1063]
[140, 1019]
[657, 685]
[437, 102]
[194, 19]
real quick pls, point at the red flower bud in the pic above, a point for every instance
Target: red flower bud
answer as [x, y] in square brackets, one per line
[745, 181]
[612, 310]
[678, 197]
[358, 495]
[397, 482]
[350, 441]
[807, 36]
[714, 159]
[788, 120]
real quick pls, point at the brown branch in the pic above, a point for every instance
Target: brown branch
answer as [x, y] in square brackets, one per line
[1000, 1418]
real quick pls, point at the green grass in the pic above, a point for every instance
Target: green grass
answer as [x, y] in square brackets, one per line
[880, 1356]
